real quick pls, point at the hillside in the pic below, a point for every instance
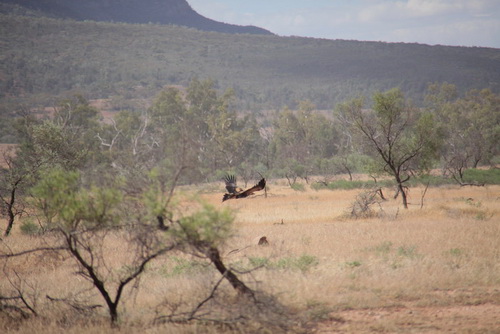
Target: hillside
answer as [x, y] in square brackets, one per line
[176, 12]
[42, 57]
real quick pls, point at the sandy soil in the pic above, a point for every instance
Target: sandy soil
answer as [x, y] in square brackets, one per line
[483, 318]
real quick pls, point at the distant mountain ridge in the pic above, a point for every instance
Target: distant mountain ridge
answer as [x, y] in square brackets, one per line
[43, 57]
[177, 12]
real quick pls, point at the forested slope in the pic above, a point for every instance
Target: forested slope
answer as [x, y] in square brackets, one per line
[47, 57]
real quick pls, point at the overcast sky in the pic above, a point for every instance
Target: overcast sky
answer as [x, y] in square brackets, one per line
[446, 22]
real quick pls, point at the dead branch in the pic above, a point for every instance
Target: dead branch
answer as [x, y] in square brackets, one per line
[29, 251]
[423, 195]
[77, 306]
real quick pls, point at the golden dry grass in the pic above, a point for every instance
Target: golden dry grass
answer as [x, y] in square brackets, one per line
[429, 269]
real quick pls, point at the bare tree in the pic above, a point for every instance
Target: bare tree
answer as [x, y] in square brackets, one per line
[13, 180]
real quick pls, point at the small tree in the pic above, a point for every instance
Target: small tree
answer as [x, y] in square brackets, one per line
[403, 139]
[204, 232]
[84, 218]
[470, 127]
[15, 178]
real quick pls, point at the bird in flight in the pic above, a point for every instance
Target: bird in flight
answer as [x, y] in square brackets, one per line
[235, 192]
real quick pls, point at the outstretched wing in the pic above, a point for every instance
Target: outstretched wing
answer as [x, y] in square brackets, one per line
[259, 186]
[230, 183]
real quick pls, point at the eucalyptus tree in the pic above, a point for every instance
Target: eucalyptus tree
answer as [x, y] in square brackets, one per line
[403, 139]
[301, 140]
[203, 128]
[470, 126]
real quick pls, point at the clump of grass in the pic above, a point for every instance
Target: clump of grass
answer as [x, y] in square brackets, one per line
[456, 252]
[431, 180]
[29, 228]
[470, 201]
[457, 257]
[407, 251]
[259, 261]
[349, 185]
[473, 211]
[302, 263]
[395, 256]
[318, 311]
[298, 187]
[353, 264]
[186, 267]
[382, 249]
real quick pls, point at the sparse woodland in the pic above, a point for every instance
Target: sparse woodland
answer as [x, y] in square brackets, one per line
[113, 222]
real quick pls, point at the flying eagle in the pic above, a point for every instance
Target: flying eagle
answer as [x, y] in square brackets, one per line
[235, 192]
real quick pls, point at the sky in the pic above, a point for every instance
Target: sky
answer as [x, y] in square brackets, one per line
[444, 22]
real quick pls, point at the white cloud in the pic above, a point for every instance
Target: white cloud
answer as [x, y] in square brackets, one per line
[377, 11]
[448, 22]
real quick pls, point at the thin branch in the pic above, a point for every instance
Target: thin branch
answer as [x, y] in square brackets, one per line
[210, 296]
[41, 249]
[423, 195]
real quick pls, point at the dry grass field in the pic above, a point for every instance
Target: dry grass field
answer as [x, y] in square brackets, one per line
[429, 269]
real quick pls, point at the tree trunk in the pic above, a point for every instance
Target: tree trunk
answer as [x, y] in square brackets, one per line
[214, 256]
[113, 314]
[403, 195]
[10, 209]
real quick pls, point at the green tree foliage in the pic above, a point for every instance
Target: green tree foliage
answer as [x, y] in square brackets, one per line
[67, 140]
[207, 227]
[203, 232]
[402, 139]
[82, 216]
[301, 140]
[470, 126]
[202, 130]
[83, 213]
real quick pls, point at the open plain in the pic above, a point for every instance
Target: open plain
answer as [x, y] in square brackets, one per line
[433, 268]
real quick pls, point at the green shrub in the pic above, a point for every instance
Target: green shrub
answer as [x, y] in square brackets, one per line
[353, 264]
[29, 228]
[457, 252]
[384, 248]
[408, 251]
[482, 176]
[186, 267]
[349, 185]
[303, 263]
[259, 261]
[298, 187]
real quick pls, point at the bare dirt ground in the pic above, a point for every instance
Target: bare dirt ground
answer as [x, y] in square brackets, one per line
[482, 318]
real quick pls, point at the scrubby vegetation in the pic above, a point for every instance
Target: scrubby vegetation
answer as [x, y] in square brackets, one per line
[114, 216]
[323, 265]
[44, 57]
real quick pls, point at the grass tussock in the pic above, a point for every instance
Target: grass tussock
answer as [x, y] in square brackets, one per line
[319, 266]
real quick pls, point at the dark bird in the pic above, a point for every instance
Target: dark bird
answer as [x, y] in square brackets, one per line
[235, 192]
